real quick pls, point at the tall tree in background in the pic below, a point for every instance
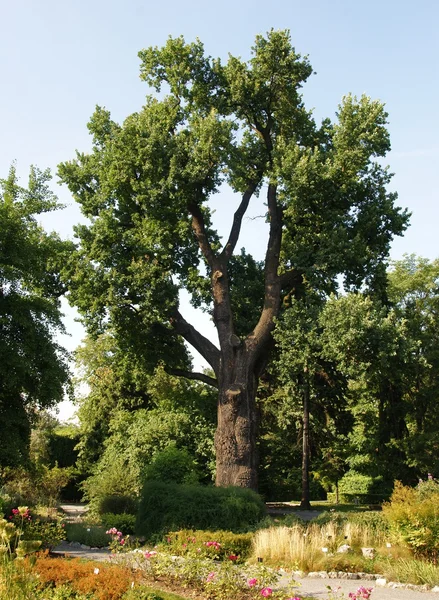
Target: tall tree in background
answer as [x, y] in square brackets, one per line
[146, 187]
[33, 367]
[414, 292]
[312, 383]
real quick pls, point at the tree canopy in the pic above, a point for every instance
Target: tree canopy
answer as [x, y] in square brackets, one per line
[33, 367]
[146, 187]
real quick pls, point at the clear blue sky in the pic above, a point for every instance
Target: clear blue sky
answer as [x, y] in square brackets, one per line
[58, 59]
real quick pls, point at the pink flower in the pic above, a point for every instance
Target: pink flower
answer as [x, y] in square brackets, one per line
[266, 591]
[252, 582]
[122, 542]
[211, 576]
[112, 531]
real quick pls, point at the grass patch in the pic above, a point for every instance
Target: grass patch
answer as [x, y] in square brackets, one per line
[89, 535]
[409, 570]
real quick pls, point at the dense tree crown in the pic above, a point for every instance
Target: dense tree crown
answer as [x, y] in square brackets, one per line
[146, 187]
[33, 367]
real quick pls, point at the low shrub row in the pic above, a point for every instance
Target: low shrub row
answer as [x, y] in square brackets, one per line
[168, 507]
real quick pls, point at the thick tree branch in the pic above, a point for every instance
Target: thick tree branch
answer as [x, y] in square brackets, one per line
[237, 221]
[193, 375]
[204, 346]
[261, 333]
[199, 227]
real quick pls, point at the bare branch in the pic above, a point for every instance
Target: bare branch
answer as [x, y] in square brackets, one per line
[262, 331]
[237, 221]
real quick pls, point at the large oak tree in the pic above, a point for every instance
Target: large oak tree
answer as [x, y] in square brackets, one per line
[146, 187]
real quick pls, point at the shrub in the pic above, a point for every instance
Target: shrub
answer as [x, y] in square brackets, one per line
[117, 504]
[123, 522]
[49, 532]
[167, 507]
[93, 536]
[102, 580]
[110, 489]
[354, 486]
[413, 516]
[173, 465]
[188, 541]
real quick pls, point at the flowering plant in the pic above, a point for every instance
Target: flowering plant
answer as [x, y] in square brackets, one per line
[117, 540]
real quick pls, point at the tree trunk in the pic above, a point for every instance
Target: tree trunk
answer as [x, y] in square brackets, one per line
[236, 434]
[305, 503]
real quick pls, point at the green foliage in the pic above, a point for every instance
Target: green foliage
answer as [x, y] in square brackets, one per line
[418, 572]
[33, 367]
[89, 535]
[181, 418]
[167, 507]
[173, 465]
[124, 522]
[144, 593]
[189, 542]
[362, 488]
[374, 521]
[40, 485]
[117, 504]
[413, 517]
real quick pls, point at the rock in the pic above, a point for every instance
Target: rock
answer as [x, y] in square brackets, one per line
[368, 552]
[298, 574]
[435, 589]
[381, 581]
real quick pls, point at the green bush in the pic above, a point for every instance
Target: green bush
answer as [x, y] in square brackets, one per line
[117, 504]
[173, 465]
[373, 520]
[167, 507]
[364, 489]
[93, 536]
[111, 484]
[123, 522]
[186, 541]
[413, 516]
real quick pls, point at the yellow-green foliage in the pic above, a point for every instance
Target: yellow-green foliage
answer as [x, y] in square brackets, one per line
[413, 515]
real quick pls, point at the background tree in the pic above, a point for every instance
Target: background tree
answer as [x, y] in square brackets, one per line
[414, 292]
[33, 367]
[146, 187]
[312, 382]
[372, 348]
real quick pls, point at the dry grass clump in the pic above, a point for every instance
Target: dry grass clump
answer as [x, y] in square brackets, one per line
[302, 547]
